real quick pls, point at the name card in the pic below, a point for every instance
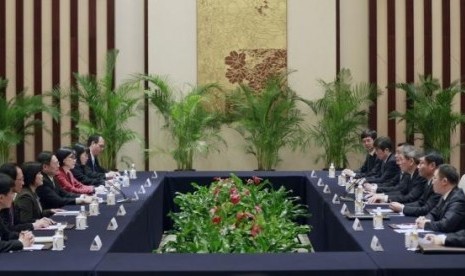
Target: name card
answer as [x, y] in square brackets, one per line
[357, 226]
[96, 244]
[113, 225]
[344, 210]
[121, 211]
[326, 189]
[313, 175]
[320, 183]
[376, 245]
[148, 183]
[336, 199]
[136, 197]
[154, 175]
[141, 189]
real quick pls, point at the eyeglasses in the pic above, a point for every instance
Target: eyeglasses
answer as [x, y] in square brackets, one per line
[101, 146]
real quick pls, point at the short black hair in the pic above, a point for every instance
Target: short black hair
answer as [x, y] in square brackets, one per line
[10, 170]
[45, 157]
[383, 143]
[93, 139]
[368, 133]
[30, 170]
[434, 157]
[6, 184]
[450, 172]
[62, 153]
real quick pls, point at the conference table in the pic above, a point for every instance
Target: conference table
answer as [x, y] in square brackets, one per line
[339, 248]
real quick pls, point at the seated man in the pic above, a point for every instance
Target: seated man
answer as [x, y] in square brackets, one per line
[372, 164]
[11, 240]
[428, 164]
[50, 193]
[456, 239]
[410, 188]
[448, 215]
[96, 145]
[388, 168]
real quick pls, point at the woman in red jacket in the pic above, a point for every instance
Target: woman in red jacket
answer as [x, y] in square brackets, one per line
[67, 159]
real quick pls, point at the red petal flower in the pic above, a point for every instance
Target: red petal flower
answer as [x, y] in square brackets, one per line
[258, 209]
[216, 220]
[235, 198]
[255, 230]
[257, 180]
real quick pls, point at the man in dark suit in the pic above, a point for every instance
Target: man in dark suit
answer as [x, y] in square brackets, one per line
[389, 169]
[96, 145]
[51, 194]
[449, 214]
[456, 239]
[411, 185]
[428, 164]
[372, 164]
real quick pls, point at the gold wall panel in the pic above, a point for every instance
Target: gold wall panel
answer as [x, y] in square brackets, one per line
[240, 41]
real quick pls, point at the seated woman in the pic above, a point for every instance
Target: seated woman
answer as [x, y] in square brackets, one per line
[82, 172]
[27, 204]
[65, 178]
[8, 215]
[11, 240]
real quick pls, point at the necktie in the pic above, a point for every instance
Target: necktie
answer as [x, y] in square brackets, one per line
[12, 215]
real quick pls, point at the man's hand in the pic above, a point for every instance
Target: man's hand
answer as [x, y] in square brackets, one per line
[420, 222]
[376, 198]
[396, 207]
[26, 238]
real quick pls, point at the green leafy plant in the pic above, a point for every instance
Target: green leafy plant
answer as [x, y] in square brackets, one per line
[431, 114]
[342, 112]
[17, 118]
[269, 120]
[190, 120]
[110, 109]
[230, 216]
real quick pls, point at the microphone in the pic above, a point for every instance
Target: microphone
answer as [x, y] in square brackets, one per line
[125, 198]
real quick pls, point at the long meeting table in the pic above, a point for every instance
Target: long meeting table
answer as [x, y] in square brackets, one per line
[339, 249]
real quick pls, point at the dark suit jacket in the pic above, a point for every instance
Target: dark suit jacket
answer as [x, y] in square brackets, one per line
[28, 207]
[389, 170]
[96, 166]
[86, 176]
[368, 165]
[424, 204]
[409, 190]
[52, 196]
[11, 221]
[456, 239]
[448, 215]
[8, 240]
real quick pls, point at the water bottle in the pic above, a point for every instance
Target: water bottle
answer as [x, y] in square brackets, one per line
[359, 192]
[378, 219]
[125, 179]
[132, 172]
[94, 207]
[81, 219]
[111, 198]
[332, 171]
[58, 239]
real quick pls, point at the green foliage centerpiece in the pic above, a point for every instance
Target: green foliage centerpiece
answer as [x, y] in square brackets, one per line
[231, 216]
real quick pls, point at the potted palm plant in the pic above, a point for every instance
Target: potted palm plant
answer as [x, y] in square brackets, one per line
[431, 115]
[110, 109]
[193, 126]
[17, 118]
[268, 120]
[342, 112]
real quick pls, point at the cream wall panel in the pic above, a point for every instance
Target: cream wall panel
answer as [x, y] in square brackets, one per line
[130, 61]
[83, 36]
[47, 69]
[101, 36]
[65, 70]
[354, 38]
[382, 66]
[400, 66]
[455, 73]
[419, 50]
[28, 45]
[437, 38]
[10, 55]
